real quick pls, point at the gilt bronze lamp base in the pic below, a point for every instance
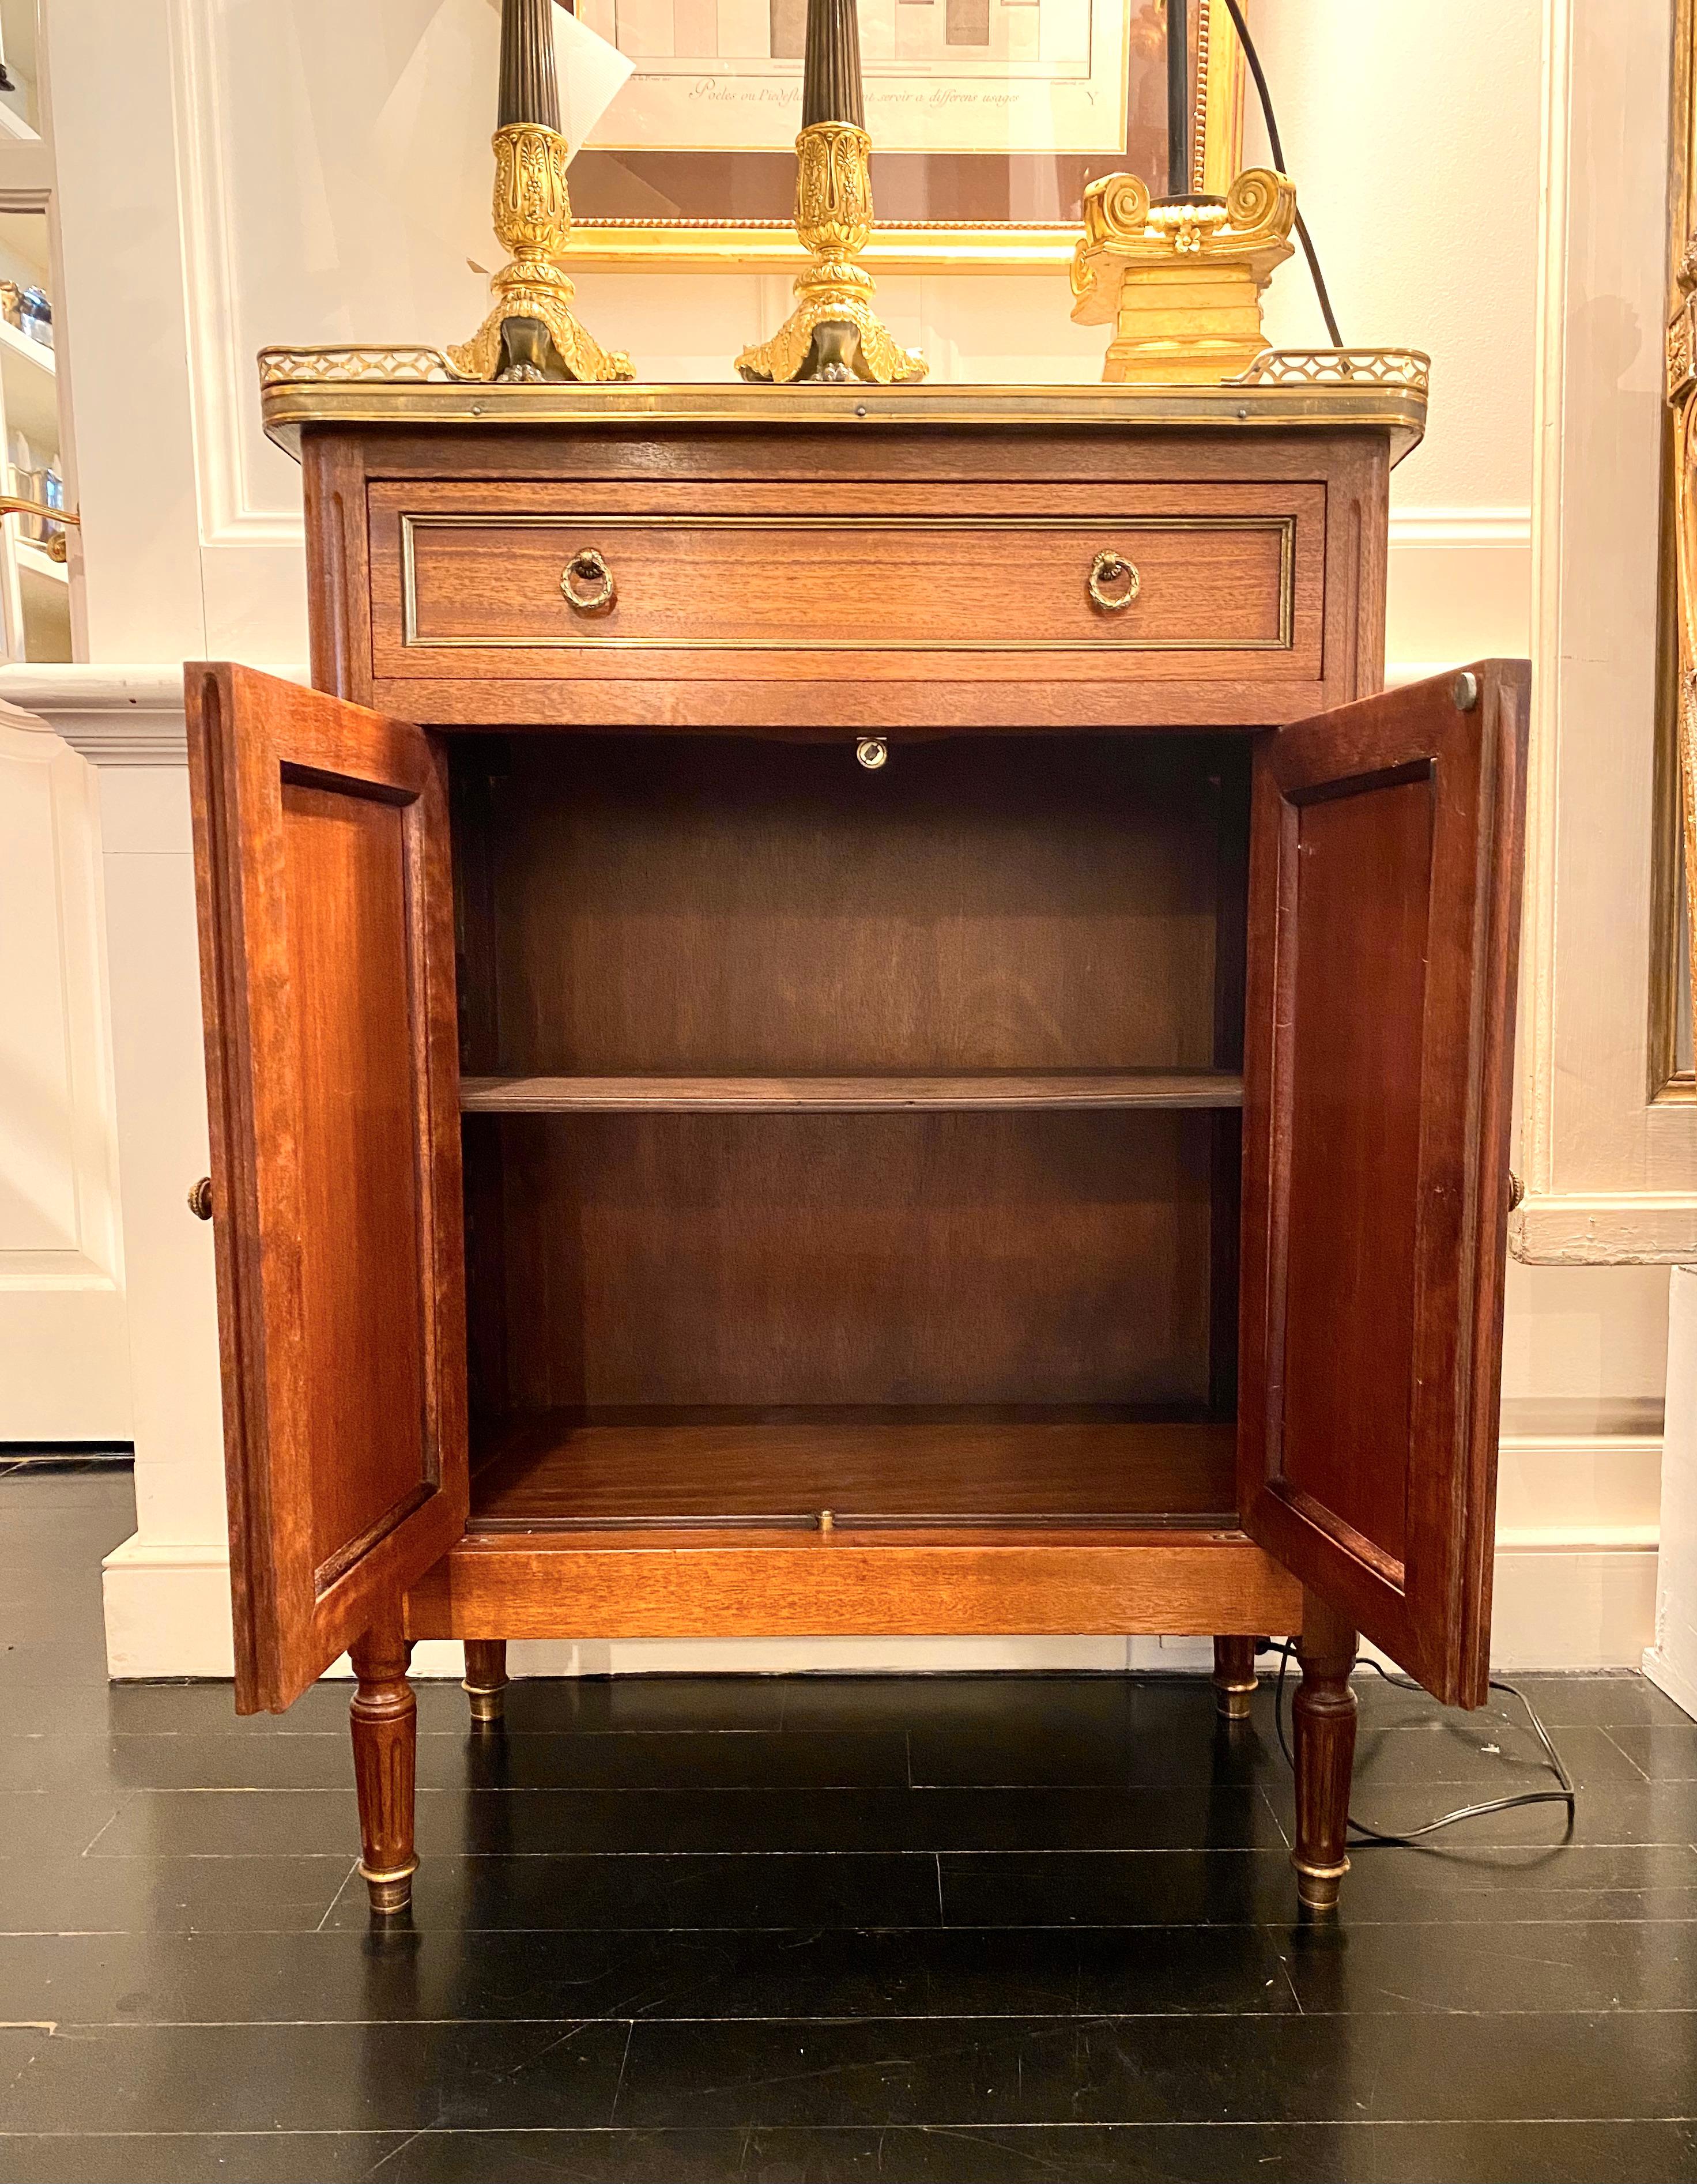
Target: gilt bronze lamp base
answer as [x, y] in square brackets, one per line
[833, 333]
[531, 334]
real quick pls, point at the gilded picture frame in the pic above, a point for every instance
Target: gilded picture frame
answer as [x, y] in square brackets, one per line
[1673, 876]
[609, 182]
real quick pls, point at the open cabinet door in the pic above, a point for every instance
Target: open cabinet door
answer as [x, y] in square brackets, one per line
[326, 950]
[1385, 871]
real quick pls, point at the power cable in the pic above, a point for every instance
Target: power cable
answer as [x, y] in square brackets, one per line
[1277, 150]
[1565, 1796]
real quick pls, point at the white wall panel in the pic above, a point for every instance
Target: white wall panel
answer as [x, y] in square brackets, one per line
[62, 1358]
[1610, 1173]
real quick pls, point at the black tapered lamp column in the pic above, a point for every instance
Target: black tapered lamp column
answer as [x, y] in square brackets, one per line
[833, 333]
[531, 333]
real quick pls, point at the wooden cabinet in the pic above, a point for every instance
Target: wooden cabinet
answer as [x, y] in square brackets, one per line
[682, 1170]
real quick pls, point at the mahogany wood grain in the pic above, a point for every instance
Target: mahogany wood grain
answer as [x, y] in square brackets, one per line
[344, 865]
[827, 1149]
[338, 571]
[744, 1584]
[1230, 924]
[321, 847]
[1355, 1146]
[383, 1716]
[847, 704]
[1386, 850]
[1058, 1257]
[553, 1471]
[987, 1091]
[1060, 456]
[704, 908]
[762, 580]
[486, 1265]
[1335, 483]
[1323, 1732]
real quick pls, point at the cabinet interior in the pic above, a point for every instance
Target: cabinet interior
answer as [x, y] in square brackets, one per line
[850, 1140]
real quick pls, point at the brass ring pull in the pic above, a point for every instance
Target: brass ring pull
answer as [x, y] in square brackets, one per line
[586, 568]
[200, 1199]
[1111, 568]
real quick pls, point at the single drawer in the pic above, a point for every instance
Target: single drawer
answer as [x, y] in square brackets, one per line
[1004, 587]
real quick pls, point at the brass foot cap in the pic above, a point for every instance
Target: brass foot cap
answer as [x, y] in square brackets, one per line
[1317, 1886]
[1233, 1699]
[488, 1707]
[389, 1893]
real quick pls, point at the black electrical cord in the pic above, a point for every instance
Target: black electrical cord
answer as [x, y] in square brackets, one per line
[1564, 1796]
[1277, 151]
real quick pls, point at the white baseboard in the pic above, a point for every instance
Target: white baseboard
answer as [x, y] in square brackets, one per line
[1557, 1607]
[1563, 1608]
[168, 1609]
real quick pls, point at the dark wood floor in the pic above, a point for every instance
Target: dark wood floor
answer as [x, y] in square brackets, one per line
[949, 1931]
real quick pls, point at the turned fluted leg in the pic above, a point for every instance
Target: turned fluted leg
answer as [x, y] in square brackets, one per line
[384, 1717]
[1234, 1676]
[1324, 1715]
[486, 1679]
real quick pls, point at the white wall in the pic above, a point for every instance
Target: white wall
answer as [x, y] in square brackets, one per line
[222, 187]
[1413, 133]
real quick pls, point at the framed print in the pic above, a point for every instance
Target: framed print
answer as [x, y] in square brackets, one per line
[987, 119]
[1673, 871]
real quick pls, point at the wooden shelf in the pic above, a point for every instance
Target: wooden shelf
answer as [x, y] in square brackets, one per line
[551, 1472]
[978, 1091]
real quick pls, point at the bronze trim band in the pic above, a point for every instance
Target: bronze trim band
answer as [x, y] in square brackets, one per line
[1108, 641]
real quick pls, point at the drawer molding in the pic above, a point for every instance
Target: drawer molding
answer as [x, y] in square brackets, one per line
[581, 639]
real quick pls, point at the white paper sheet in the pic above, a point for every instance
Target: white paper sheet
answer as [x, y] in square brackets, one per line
[431, 139]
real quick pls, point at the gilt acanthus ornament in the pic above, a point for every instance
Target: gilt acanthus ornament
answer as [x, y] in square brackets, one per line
[833, 333]
[532, 211]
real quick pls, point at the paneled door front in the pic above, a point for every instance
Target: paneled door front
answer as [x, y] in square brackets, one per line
[1385, 873]
[322, 857]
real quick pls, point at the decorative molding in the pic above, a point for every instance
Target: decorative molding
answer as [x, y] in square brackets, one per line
[1579, 1493]
[1339, 367]
[113, 715]
[1497, 527]
[220, 381]
[358, 366]
[167, 1608]
[1590, 1135]
[1536, 1014]
[61, 1123]
[53, 1274]
[1604, 1229]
